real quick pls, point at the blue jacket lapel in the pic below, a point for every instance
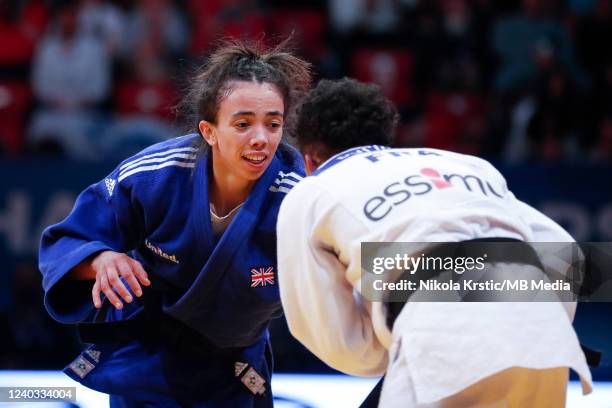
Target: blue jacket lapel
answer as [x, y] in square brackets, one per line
[239, 230]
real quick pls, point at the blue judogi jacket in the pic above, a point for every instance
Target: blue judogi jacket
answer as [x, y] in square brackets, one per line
[155, 206]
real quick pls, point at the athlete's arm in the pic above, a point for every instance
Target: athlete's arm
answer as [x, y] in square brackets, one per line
[317, 297]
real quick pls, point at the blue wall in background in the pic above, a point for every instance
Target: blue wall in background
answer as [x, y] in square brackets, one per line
[34, 194]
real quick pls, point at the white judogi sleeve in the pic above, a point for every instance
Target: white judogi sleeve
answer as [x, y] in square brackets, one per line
[316, 283]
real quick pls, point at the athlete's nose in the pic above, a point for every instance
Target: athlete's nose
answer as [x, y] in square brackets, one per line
[260, 137]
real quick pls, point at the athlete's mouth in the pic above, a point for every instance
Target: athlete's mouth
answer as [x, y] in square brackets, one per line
[255, 158]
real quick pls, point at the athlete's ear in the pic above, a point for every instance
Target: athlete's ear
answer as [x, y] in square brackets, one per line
[207, 130]
[311, 162]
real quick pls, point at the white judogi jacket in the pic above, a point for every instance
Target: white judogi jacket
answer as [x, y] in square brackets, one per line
[373, 194]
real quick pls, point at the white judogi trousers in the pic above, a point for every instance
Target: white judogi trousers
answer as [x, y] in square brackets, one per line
[514, 387]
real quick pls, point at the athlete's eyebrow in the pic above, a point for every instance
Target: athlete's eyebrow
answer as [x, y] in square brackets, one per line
[251, 113]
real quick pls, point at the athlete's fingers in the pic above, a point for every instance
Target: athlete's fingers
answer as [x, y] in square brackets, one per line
[125, 270]
[108, 291]
[95, 294]
[141, 274]
[115, 281]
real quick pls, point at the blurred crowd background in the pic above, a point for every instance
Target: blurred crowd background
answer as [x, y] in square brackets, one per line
[512, 80]
[523, 82]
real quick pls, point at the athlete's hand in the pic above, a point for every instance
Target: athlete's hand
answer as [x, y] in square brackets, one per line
[109, 268]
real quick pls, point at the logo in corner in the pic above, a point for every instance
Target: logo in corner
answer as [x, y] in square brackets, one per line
[110, 186]
[262, 276]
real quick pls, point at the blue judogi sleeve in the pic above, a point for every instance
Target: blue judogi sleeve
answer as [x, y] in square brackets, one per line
[105, 217]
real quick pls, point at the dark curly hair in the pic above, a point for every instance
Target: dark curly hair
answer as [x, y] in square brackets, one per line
[337, 115]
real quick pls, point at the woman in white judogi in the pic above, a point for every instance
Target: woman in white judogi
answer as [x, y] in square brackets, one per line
[437, 354]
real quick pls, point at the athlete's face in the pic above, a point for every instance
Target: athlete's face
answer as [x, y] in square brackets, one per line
[248, 130]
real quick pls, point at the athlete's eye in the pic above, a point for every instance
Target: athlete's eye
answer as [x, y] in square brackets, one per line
[275, 125]
[243, 124]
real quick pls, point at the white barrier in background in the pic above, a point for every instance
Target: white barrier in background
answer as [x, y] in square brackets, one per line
[292, 390]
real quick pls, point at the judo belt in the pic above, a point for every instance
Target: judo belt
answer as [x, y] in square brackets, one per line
[150, 326]
[522, 253]
[153, 326]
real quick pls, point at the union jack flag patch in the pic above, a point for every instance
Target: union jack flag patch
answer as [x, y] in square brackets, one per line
[263, 276]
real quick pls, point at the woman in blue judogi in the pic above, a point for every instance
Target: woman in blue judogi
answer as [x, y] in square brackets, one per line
[177, 247]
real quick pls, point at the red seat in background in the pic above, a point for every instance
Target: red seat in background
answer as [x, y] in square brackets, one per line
[15, 98]
[307, 25]
[145, 98]
[19, 37]
[392, 69]
[251, 25]
[215, 19]
[450, 116]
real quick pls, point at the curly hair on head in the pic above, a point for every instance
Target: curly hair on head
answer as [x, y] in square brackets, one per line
[337, 115]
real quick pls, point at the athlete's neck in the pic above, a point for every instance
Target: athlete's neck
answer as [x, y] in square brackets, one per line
[226, 191]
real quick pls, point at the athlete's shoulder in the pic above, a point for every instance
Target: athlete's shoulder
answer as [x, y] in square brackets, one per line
[308, 197]
[291, 170]
[290, 158]
[480, 164]
[176, 153]
[189, 140]
[449, 154]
